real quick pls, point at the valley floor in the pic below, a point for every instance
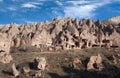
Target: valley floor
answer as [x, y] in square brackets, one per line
[59, 64]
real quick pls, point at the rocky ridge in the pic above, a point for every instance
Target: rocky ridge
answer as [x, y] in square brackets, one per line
[114, 20]
[66, 33]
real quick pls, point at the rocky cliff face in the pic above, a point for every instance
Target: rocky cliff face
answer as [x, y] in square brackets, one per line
[114, 20]
[66, 33]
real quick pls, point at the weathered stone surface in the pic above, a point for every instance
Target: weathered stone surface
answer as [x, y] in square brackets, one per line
[41, 38]
[15, 71]
[4, 44]
[66, 33]
[5, 56]
[114, 20]
[13, 30]
[38, 74]
[95, 63]
[26, 69]
[41, 63]
[77, 64]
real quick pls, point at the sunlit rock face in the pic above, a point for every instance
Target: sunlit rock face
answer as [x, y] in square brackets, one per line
[114, 20]
[65, 33]
[14, 70]
[41, 38]
[95, 63]
[5, 56]
[41, 63]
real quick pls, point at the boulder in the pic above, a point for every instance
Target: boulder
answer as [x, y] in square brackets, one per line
[38, 74]
[26, 69]
[77, 64]
[15, 71]
[95, 63]
[41, 63]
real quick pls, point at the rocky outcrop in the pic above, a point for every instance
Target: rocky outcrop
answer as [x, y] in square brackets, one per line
[114, 20]
[26, 69]
[15, 71]
[5, 56]
[38, 74]
[41, 38]
[66, 33]
[77, 63]
[95, 63]
[41, 63]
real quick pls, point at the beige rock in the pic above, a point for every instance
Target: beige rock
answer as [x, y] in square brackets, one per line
[15, 71]
[5, 56]
[98, 59]
[91, 62]
[26, 69]
[4, 44]
[114, 20]
[90, 23]
[77, 60]
[13, 30]
[95, 63]
[77, 64]
[17, 42]
[41, 63]
[41, 38]
[89, 37]
[62, 33]
[4, 28]
[115, 38]
[38, 74]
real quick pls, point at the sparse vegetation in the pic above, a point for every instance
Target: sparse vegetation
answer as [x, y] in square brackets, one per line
[70, 48]
[59, 64]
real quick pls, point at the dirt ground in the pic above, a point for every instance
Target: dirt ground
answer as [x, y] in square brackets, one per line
[59, 64]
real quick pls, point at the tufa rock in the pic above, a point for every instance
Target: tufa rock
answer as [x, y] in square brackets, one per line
[41, 63]
[15, 71]
[5, 56]
[95, 63]
[77, 64]
[26, 69]
[66, 33]
[113, 20]
[38, 74]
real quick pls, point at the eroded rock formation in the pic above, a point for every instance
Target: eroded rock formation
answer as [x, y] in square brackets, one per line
[5, 56]
[15, 71]
[114, 20]
[41, 63]
[95, 63]
[77, 63]
[66, 33]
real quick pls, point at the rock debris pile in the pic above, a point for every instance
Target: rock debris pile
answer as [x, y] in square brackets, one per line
[26, 69]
